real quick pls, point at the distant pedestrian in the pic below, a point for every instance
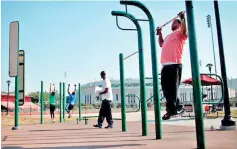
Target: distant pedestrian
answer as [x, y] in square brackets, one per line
[107, 97]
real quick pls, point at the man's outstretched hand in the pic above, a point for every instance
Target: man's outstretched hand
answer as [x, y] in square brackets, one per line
[181, 15]
[158, 29]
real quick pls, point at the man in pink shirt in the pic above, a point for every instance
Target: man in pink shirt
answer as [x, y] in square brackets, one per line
[171, 60]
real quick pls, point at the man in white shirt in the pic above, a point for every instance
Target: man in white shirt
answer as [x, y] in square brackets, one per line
[107, 97]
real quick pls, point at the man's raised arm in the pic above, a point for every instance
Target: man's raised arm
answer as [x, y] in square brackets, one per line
[161, 40]
[75, 88]
[183, 25]
[68, 89]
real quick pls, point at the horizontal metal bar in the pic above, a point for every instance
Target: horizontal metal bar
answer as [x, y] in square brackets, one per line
[150, 78]
[130, 55]
[123, 28]
[142, 20]
[168, 22]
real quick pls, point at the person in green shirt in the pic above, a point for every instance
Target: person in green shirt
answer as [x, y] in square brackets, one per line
[52, 99]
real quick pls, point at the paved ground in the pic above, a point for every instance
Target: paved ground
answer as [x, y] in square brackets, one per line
[177, 134]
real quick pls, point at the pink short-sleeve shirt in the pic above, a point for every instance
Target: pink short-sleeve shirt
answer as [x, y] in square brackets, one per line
[172, 48]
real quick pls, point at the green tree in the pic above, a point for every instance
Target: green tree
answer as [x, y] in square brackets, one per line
[34, 97]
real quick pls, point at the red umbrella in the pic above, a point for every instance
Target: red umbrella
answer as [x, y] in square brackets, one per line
[205, 81]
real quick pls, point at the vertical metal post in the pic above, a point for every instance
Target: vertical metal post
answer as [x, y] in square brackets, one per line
[122, 90]
[142, 83]
[16, 127]
[63, 102]
[60, 102]
[156, 90]
[79, 100]
[42, 103]
[227, 121]
[195, 77]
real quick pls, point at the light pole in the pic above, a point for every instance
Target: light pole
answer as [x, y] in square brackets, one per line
[8, 85]
[200, 64]
[209, 25]
[209, 66]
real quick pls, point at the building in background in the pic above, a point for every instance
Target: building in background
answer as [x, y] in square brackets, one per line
[132, 86]
[10, 104]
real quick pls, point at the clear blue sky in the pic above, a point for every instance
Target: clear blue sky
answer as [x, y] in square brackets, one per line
[82, 38]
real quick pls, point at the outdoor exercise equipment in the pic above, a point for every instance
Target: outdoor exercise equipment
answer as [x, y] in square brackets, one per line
[139, 102]
[195, 72]
[42, 103]
[150, 78]
[130, 55]
[200, 135]
[168, 22]
[141, 73]
[64, 100]
[156, 93]
[206, 81]
[86, 118]
[61, 101]
[227, 120]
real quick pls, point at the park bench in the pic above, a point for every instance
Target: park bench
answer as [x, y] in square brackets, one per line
[86, 118]
[207, 110]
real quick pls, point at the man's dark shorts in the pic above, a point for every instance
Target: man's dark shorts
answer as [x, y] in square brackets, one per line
[70, 107]
[52, 108]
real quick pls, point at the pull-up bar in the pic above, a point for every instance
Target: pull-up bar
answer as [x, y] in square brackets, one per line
[141, 74]
[157, 108]
[168, 22]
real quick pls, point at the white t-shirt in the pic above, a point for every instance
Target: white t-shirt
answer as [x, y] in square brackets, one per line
[107, 84]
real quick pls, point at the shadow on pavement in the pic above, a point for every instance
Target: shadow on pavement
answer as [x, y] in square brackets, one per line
[71, 134]
[79, 147]
[60, 129]
[69, 137]
[76, 141]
